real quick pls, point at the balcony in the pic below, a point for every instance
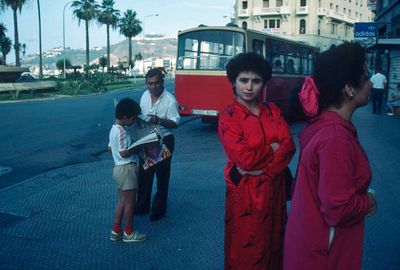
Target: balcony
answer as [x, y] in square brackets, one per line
[268, 11]
[322, 12]
[302, 10]
[335, 15]
[243, 13]
[350, 19]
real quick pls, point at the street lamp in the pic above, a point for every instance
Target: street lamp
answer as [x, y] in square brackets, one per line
[65, 75]
[143, 34]
[144, 19]
[40, 43]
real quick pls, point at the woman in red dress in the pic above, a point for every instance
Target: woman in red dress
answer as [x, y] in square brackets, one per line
[259, 146]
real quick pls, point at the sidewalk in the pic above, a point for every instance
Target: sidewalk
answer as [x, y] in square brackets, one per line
[62, 219]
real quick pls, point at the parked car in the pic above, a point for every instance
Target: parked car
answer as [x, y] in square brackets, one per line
[25, 77]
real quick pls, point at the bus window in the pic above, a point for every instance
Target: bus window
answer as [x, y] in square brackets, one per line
[191, 48]
[276, 53]
[293, 60]
[306, 61]
[277, 66]
[268, 51]
[258, 46]
[208, 50]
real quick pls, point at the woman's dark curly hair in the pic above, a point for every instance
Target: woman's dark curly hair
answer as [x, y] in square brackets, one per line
[244, 62]
[336, 67]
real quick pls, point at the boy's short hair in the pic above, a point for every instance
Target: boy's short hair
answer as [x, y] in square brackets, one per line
[127, 107]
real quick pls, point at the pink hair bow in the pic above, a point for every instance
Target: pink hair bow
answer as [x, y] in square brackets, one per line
[308, 97]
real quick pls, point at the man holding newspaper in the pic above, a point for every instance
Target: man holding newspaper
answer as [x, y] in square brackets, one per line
[159, 107]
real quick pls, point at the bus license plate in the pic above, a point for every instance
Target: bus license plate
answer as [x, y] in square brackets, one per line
[205, 112]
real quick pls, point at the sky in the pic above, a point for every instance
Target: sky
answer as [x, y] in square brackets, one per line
[173, 15]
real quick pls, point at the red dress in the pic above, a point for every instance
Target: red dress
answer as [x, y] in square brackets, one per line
[325, 229]
[255, 206]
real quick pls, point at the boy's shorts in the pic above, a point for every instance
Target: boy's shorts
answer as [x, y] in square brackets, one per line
[126, 176]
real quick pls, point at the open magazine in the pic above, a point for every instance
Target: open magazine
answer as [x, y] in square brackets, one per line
[151, 149]
[147, 138]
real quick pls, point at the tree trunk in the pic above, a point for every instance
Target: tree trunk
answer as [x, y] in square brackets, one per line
[130, 51]
[40, 44]
[16, 40]
[108, 47]
[87, 47]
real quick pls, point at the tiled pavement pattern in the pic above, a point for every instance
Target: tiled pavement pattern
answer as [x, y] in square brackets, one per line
[61, 219]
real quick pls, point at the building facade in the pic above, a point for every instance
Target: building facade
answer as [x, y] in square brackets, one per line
[387, 48]
[321, 23]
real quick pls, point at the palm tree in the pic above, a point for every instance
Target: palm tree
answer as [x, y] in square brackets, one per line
[130, 27]
[5, 47]
[40, 43]
[3, 30]
[108, 16]
[85, 10]
[103, 62]
[15, 5]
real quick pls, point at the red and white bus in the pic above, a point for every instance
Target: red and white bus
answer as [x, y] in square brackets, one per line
[201, 85]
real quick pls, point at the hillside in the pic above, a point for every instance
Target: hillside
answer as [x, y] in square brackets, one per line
[161, 47]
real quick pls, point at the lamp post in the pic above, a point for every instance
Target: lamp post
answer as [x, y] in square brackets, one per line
[144, 20]
[143, 34]
[64, 74]
[40, 43]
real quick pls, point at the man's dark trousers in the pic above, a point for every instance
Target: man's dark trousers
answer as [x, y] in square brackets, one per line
[377, 98]
[162, 170]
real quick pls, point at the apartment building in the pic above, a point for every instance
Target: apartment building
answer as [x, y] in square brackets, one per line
[320, 23]
[387, 48]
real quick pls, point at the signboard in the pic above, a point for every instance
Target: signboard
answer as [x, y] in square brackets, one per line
[371, 4]
[364, 29]
[365, 33]
[271, 31]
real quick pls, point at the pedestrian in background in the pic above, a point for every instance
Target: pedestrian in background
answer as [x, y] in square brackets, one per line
[331, 199]
[259, 146]
[125, 171]
[159, 107]
[393, 103]
[379, 87]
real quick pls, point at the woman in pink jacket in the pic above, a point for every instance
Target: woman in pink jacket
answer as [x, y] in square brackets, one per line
[325, 228]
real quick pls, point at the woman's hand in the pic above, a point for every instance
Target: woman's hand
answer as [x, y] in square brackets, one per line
[275, 146]
[373, 206]
[252, 172]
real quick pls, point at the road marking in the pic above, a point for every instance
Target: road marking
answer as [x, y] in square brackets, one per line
[5, 170]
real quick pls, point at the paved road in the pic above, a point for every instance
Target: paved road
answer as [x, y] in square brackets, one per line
[39, 136]
[61, 219]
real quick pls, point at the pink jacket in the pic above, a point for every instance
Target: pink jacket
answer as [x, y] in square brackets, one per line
[325, 229]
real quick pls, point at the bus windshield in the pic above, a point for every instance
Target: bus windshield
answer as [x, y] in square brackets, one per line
[208, 49]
